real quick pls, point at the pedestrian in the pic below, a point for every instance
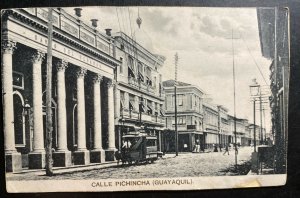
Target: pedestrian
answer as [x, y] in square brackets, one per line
[215, 148]
[226, 149]
[197, 146]
[236, 150]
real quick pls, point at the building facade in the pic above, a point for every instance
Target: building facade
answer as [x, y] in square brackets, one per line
[138, 95]
[273, 25]
[189, 115]
[225, 135]
[257, 134]
[241, 130]
[82, 90]
[211, 125]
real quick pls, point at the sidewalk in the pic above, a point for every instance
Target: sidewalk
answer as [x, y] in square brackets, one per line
[62, 170]
[75, 168]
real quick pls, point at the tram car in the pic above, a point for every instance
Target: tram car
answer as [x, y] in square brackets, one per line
[137, 147]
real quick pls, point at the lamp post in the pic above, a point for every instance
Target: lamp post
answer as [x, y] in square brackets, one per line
[254, 92]
[27, 109]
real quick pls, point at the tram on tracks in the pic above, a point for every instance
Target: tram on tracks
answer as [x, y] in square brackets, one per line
[138, 147]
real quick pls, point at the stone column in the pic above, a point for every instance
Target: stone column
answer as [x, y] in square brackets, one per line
[37, 156]
[13, 160]
[81, 156]
[109, 153]
[126, 101]
[136, 103]
[61, 157]
[97, 155]
[117, 103]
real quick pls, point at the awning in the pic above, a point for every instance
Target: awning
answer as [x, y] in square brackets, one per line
[130, 72]
[131, 107]
[122, 104]
[142, 107]
[149, 82]
[162, 113]
[149, 109]
[191, 132]
[141, 77]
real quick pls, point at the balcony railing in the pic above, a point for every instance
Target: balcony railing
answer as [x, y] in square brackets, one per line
[140, 85]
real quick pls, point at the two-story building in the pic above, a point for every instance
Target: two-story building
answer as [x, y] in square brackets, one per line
[210, 124]
[189, 114]
[223, 124]
[240, 130]
[138, 93]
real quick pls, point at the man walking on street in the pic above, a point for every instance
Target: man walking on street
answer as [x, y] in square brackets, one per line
[226, 149]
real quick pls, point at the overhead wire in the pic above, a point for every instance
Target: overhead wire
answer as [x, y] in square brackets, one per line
[134, 46]
[257, 66]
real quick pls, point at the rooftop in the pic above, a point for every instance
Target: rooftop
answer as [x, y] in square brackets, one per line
[171, 83]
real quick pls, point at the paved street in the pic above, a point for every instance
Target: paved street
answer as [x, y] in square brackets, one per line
[185, 165]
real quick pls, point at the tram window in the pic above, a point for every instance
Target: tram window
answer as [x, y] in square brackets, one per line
[151, 142]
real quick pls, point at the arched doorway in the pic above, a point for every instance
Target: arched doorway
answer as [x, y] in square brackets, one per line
[19, 119]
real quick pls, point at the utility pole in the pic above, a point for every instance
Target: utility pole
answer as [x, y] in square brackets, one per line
[261, 127]
[265, 125]
[234, 103]
[49, 171]
[254, 126]
[175, 98]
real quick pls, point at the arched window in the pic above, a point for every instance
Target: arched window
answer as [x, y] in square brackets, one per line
[54, 120]
[19, 118]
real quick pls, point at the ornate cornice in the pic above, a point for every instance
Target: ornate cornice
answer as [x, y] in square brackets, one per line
[69, 40]
[8, 46]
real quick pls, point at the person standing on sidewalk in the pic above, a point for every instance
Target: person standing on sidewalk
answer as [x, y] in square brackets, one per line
[226, 150]
[197, 146]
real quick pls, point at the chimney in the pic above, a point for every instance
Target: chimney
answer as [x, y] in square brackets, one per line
[78, 12]
[94, 22]
[108, 31]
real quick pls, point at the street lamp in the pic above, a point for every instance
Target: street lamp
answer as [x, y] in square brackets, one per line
[27, 109]
[254, 92]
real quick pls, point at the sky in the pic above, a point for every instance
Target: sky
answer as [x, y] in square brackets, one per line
[202, 37]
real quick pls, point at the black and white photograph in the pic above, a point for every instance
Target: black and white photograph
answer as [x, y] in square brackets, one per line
[110, 98]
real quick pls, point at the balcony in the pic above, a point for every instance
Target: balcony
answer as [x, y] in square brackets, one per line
[133, 82]
[140, 85]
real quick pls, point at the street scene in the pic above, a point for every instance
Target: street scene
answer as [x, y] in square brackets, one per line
[139, 92]
[185, 165]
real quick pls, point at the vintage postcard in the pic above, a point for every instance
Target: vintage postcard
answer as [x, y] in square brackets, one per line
[144, 98]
